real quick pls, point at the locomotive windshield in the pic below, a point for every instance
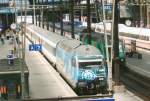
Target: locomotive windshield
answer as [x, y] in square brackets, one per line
[91, 69]
[90, 64]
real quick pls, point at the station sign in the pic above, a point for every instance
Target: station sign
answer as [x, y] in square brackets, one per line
[35, 47]
[108, 7]
[109, 99]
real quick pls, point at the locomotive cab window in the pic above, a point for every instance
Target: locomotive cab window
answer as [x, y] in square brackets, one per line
[90, 64]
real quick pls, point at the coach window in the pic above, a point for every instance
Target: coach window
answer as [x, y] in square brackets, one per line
[124, 34]
[136, 36]
[130, 35]
[127, 34]
[121, 34]
[147, 38]
[59, 53]
[73, 62]
[98, 29]
[144, 37]
[141, 37]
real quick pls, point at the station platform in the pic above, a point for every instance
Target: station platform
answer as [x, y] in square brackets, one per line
[10, 72]
[140, 66]
[5, 48]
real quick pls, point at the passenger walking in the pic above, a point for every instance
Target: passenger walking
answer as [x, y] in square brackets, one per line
[17, 39]
[2, 39]
[8, 34]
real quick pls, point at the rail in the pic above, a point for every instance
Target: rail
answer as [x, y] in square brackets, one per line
[141, 83]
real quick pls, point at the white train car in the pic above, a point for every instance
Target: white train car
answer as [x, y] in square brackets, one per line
[139, 35]
[129, 34]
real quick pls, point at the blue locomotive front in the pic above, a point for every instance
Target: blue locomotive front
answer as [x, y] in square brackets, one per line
[81, 65]
[92, 72]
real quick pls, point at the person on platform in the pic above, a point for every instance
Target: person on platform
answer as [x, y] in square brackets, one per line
[2, 39]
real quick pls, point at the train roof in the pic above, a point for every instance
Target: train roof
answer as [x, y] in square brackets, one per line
[135, 30]
[87, 50]
[48, 36]
[125, 29]
[68, 28]
[78, 47]
[69, 45]
[77, 30]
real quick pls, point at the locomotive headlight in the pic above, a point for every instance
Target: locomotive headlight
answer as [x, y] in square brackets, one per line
[122, 60]
[101, 78]
[101, 70]
[88, 75]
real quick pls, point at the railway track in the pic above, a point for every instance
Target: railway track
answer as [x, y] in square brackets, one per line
[137, 84]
